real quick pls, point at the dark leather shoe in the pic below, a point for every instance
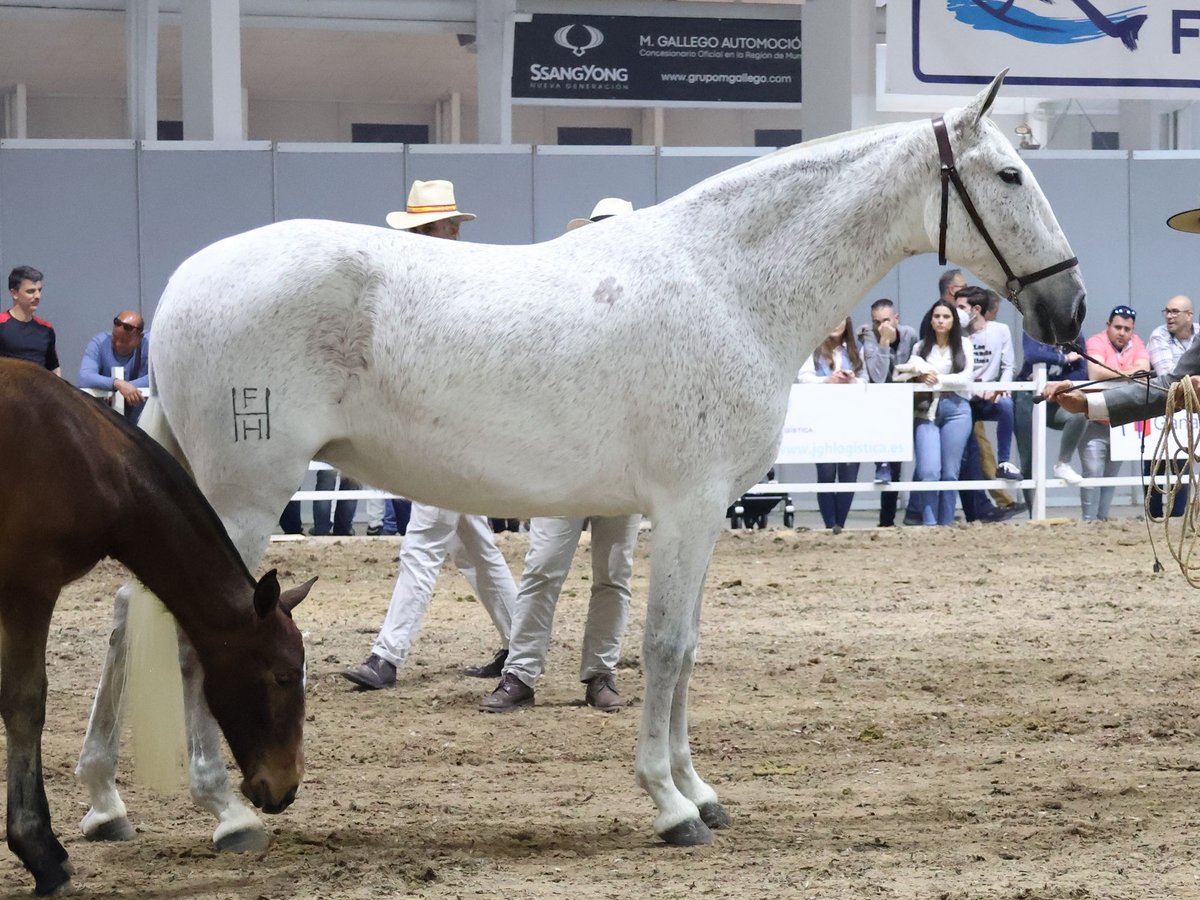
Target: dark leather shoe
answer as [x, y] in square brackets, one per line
[602, 693]
[373, 674]
[493, 669]
[510, 694]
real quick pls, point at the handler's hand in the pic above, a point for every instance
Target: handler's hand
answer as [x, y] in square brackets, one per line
[1073, 401]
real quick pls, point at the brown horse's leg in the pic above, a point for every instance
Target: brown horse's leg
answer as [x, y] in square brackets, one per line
[23, 708]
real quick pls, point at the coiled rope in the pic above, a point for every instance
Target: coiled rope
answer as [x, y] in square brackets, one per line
[1168, 477]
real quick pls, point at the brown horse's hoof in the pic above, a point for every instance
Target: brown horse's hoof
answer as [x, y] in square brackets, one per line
[714, 815]
[248, 840]
[117, 829]
[692, 833]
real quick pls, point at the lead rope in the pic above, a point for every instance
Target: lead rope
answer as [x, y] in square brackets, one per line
[1181, 541]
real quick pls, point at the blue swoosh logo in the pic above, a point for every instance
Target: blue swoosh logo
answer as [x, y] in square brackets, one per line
[1006, 17]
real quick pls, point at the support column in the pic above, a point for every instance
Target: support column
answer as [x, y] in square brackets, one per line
[212, 70]
[1141, 125]
[141, 68]
[837, 66]
[494, 40]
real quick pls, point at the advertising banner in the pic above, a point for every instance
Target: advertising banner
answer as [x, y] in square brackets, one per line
[585, 58]
[848, 423]
[1054, 48]
[1126, 440]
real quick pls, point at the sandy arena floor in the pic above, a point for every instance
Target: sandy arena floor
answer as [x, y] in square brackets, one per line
[1000, 711]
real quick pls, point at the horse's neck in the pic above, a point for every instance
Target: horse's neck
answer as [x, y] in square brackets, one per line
[815, 227]
[176, 548]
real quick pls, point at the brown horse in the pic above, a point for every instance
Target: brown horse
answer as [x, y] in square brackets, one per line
[81, 484]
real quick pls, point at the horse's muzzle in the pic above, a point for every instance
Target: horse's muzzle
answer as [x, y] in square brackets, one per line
[259, 793]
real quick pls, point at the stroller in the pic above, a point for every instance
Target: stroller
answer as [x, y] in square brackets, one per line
[751, 510]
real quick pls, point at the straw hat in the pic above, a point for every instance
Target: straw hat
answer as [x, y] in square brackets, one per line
[428, 201]
[1189, 220]
[609, 206]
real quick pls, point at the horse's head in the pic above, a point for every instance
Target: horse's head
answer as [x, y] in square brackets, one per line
[256, 694]
[1030, 257]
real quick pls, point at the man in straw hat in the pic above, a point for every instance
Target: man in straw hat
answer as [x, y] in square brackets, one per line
[1134, 400]
[552, 543]
[433, 533]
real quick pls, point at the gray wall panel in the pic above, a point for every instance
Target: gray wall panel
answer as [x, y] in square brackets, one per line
[73, 215]
[495, 184]
[358, 187]
[191, 198]
[1163, 260]
[568, 182]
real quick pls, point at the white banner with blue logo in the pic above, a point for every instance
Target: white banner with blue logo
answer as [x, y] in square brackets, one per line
[1053, 48]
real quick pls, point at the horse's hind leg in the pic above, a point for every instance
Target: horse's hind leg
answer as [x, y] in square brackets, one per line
[106, 820]
[679, 560]
[23, 709]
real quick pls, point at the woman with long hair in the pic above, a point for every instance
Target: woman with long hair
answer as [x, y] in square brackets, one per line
[837, 360]
[943, 359]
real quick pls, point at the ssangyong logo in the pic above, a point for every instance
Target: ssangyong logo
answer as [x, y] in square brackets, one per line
[578, 43]
[1031, 24]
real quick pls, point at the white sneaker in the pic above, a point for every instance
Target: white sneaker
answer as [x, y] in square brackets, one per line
[1066, 473]
[1008, 471]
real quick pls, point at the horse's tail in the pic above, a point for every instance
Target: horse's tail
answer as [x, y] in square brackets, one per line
[153, 684]
[154, 693]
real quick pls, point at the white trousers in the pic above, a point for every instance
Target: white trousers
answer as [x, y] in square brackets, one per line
[433, 534]
[552, 543]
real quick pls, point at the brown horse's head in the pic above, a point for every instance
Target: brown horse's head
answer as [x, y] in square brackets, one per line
[257, 696]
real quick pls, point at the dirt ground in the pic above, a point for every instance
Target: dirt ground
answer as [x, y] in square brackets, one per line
[1002, 711]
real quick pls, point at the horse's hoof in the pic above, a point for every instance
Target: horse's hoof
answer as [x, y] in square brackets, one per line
[691, 833]
[248, 840]
[117, 829]
[714, 815]
[55, 881]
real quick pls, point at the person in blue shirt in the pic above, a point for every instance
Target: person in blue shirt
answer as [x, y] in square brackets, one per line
[126, 346]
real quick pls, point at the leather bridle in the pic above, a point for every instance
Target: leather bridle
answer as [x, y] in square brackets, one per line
[1014, 283]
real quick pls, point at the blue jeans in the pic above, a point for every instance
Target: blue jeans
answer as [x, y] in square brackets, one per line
[343, 514]
[1095, 501]
[938, 447]
[999, 411]
[835, 507]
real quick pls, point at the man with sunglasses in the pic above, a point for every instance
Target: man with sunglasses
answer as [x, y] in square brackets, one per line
[22, 334]
[126, 347]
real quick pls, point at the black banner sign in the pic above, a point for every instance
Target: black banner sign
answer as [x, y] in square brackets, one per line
[603, 58]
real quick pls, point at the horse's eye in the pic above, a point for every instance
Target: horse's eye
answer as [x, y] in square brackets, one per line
[287, 679]
[1010, 175]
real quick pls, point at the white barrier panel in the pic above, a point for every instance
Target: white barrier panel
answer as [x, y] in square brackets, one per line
[1127, 439]
[847, 423]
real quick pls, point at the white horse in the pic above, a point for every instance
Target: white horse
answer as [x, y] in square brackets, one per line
[592, 374]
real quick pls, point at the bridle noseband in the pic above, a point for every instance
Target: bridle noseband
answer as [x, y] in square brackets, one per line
[1015, 283]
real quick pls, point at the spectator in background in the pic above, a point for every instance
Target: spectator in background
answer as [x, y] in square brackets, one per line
[1167, 343]
[343, 513]
[885, 344]
[124, 347]
[22, 334]
[950, 282]
[1118, 351]
[836, 361]
[1060, 365]
[943, 360]
[993, 350]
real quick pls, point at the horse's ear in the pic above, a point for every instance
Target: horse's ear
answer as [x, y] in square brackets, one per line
[266, 594]
[978, 108]
[291, 598]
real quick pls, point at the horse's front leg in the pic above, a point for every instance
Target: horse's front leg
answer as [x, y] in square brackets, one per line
[106, 819]
[23, 709]
[679, 559]
[239, 829]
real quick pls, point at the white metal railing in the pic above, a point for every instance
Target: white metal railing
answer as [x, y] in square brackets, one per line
[1039, 483]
